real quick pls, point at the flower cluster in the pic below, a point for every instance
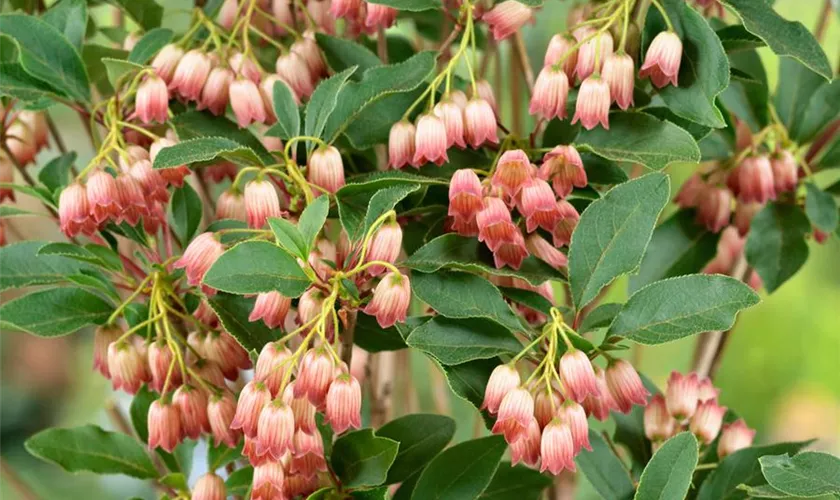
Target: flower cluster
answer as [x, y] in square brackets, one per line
[538, 194]
[692, 403]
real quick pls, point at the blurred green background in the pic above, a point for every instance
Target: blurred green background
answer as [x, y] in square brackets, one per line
[780, 372]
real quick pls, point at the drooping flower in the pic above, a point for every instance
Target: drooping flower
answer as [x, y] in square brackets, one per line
[662, 61]
[73, 211]
[166, 61]
[503, 380]
[785, 171]
[401, 144]
[225, 351]
[578, 376]
[275, 430]
[511, 252]
[706, 422]
[344, 404]
[199, 256]
[538, 205]
[516, 412]
[563, 166]
[391, 299]
[557, 449]
[253, 398]
[735, 436]
[453, 121]
[464, 194]
[126, 366]
[526, 449]
[659, 425]
[160, 358]
[164, 426]
[714, 208]
[602, 43]
[271, 307]
[430, 141]
[247, 102]
[103, 196]
[315, 375]
[191, 75]
[512, 172]
[619, 72]
[682, 395]
[326, 169]
[192, 406]
[385, 246]
[152, 101]
[593, 103]
[215, 94]
[261, 202]
[308, 454]
[550, 93]
[380, 16]
[480, 122]
[231, 205]
[562, 234]
[268, 483]
[506, 18]
[272, 365]
[575, 416]
[561, 51]
[293, 69]
[220, 413]
[545, 251]
[625, 385]
[494, 223]
[755, 180]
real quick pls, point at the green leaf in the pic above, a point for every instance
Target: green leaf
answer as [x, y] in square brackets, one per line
[343, 54]
[785, 38]
[95, 57]
[741, 467]
[704, 70]
[21, 266]
[56, 173]
[600, 317]
[377, 84]
[9, 211]
[421, 437]
[233, 312]
[360, 458]
[16, 82]
[288, 237]
[312, 220]
[762, 491]
[221, 455]
[515, 483]
[678, 246]
[92, 254]
[528, 298]
[46, 54]
[92, 449]
[604, 470]
[238, 483]
[748, 98]
[70, 18]
[373, 338]
[820, 208]
[668, 474]
[120, 70]
[736, 38]
[150, 44]
[823, 108]
[456, 341]
[411, 5]
[254, 267]
[286, 110]
[147, 13]
[456, 294]
[797, 84]
[613, 233]
[467, 254]
[601, 170]
[830, 158]
[176, 480]
[373, 126]
[360, 204]
[323, 102]
[38, 192]
[630, 429]
[195, 124]
[674, 308]
[808, 474]
[776, 246]
[640, 138]
[462, 471]
[181, 459]
[186, 212]
[469, 380]
[205, 149]
[55, 311]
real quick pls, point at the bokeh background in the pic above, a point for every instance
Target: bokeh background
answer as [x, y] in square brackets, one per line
[781, 371]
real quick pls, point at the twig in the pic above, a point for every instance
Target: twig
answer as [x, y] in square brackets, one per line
[444, 47]
[382, 45]
[822, 21]
[381, 381]
[524, 63]
[11, 477]
[347, 337]
[59, 142]
[516, 115]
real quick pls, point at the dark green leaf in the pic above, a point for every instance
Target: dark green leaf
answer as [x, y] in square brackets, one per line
[186, 212]
[668, 474]
[674, 308]
[175, 480]
[613, 233]
[360, 204]
[831, 157]
[312, 220]
[286, 110]
[823, 108]
[808, 474]
[462, 295]
[147, 13]
[373, 338]
[560, 132]
[221, 455]
[820, 208]
[600, 317]
[467, 254]
[469, 380]
[704, 70]
[47, 55]
[103, 63]
[254, 267]
[56, 173]
[411, 5]
[762, 491]
[601, 170]
[194, 124]
[92, 449]
[239, 482]
[233, 312]
[16, 82]
[205, 149]
[373, 125]
[19, 266]
[421, 437]
[736, 38]
[462, 471]
[527, 298]
[54, 312]
[786, 38]
[515, 483]
[776, 246]
[93, 254]
[150, 44]
[323, 102]
[604, 470]
[797, 84]
[342, 54]
[288, 237]
[362, 459]
[748, 98]
[640, 138]
[456, 341]
[70, 18]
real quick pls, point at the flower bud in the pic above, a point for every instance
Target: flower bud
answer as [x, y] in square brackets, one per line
[557, 448]
[225, 351]
[309, 305]
[527, 448]
[37, 123]
[562, 234]
[231, 205]
[662, 61]
[563, 166]
[401, 144]
[560, 51]
[20, 140]
[714, 208]
[601, 405]
[344, 404]
[735, 436]
[131, 200]
[247, 102]
[453, 121]
[545, 251]
[538, 206]
[345, 8]
[308, 454]
[578, 376]
[152, 102]
[303, 410]
[104, 336]
[160, 359]
[503, 380]
[512, 172]
[126, 366]
[625, 386]
[271, 307]
[545, 406]
[706, 422]
[511, 252]
[480, 121]
[308, 49]
[785, 171]
[272, 365]
[430, 141]
[166, 61]
[755, 180]
[227, 13]
[103, 196]
[494, 223]
[215, 95]
[199, 256]
[706, 390]
[220, 412]
[464, 194]
[190, 75]
[209, 487]
[326, 170]
[380, 16]
[164, 426]
[390, 301]
[619, 72]
[261, 202]
[385, 246]
[151, 180]
[253, 398]
[292, 69]
[550, 93]
[245, 67]
[682, 395]
[275, 430]
[593, 103]
[315, 374]
[659, 425]
[690, 192]
[73, 213]
[506, 18]
[192, 406]
[587, 52]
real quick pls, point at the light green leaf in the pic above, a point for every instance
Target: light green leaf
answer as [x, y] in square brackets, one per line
[288, 236]
[668, 474]
[9, 211]
[411, 5]
[312, 220]
[797, 84]
[748, 98]
[286, 110]
[613, 233]
[421, 437]
[55, 312]
[185, 212]
[823, 108]
[94, 56]
[735, 38]
[233, 312]
[239, 482]
[56, 173]
[254, 267]
[600, 317]
[194, 124]
[147, 13]
[221, 455]
[515, 483]
[175, 480]
[70, 18]
[776, 246]
[762, 491]
[149, 45]
[604, 470]
[820, 208]
[360, 204]
[786, 38]
[456, 341]
[205, 149]
[640, 138]
[18, 267]
[120, 70]
[674, 308]
[323, 102]
[469, 380]
[343, 54]
[462, 471]
[361, 458]
[808, 474]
